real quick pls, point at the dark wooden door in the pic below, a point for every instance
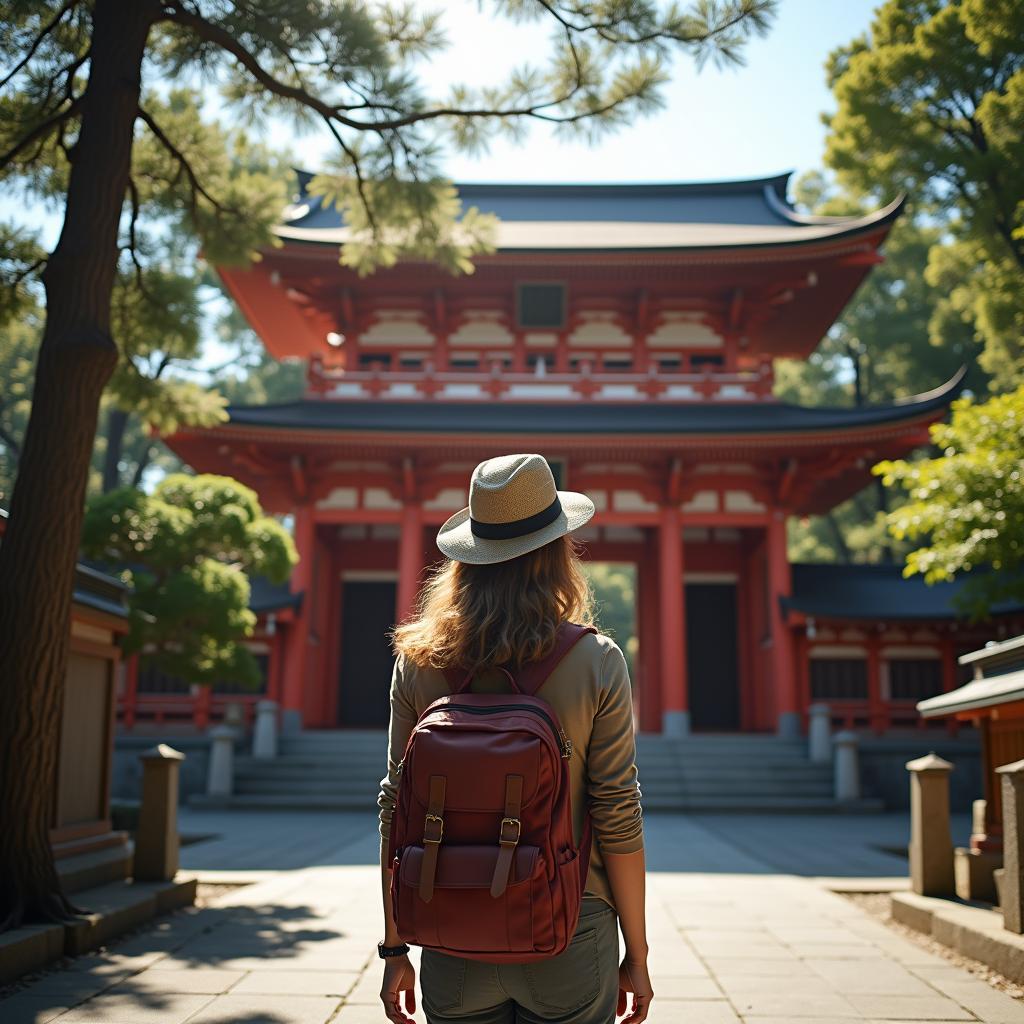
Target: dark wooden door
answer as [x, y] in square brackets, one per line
[367, 613]
[711, 656]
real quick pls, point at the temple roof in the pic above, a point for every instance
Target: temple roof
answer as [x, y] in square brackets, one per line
[586, 417]
[621, 217]
[265, 596]
[834, 591]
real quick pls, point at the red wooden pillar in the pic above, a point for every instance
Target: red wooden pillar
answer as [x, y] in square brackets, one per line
[130, 697]
[803, 684]
[410, 559]
[744, 634]
[675, 715]
[649, 688]
[316, 693]
[878, 710]
[202, 707]
[276, 665]
[296, 654]
[519, 352]
[762, 707]
[787, 714]
[562, 353]
[333, 654]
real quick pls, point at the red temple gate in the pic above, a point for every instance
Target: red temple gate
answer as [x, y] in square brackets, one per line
[628, 334]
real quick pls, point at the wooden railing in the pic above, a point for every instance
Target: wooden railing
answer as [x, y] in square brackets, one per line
[879, 718]
[198, 711]
[499, 382]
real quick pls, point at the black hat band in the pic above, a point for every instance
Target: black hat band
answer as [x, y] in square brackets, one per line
[518, 527]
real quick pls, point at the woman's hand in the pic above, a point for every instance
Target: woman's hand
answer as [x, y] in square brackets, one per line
[399, 977]
[633, 978]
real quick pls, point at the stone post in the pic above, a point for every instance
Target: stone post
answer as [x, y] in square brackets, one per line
[931, 845]
[847, 766]
[234, 715]
[974, 866]
[819, 734]
[264, 736]
[156, 841]
[220, 777]
[1011, 889]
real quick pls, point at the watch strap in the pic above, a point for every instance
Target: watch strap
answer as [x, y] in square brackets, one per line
[384, 952]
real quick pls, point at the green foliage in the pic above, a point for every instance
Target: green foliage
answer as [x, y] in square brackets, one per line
[188, 548]
[19, 341]
[966, 507]
[878, 350]
[391, 220]
[614, 587]
[931, 103]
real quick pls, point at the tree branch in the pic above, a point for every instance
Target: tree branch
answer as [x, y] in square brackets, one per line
[213, 33]
[182, 161]
[40, 131]
[37, 42]
[609, 30]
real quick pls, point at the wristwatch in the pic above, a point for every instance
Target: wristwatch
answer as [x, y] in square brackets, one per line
[388, 951]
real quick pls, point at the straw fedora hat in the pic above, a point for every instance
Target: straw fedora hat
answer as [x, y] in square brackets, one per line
[514, 508]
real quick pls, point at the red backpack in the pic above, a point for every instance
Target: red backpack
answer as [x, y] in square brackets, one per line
[481, 840]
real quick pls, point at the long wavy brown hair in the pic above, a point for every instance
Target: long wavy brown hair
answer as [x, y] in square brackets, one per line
[506, 613]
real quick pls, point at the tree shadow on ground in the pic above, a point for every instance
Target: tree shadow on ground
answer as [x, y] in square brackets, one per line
[178, 964]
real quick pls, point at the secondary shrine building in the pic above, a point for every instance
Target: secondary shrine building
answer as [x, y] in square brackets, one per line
[627, 333]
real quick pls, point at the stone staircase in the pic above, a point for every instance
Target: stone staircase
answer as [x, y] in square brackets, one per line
[736, 772]
[341, 770]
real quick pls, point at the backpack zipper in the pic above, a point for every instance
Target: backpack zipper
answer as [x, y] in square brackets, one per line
[564, 743]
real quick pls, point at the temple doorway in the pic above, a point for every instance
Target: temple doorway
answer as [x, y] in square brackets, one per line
[711, 656]
[364, 677]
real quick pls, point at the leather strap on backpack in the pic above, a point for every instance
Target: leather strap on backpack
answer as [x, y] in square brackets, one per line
[433, 832]
[534, 674]
[508, 834]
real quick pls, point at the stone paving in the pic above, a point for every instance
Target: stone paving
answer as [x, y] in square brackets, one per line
[734, 938]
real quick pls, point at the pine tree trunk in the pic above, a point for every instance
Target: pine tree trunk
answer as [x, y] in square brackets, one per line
[38, 553]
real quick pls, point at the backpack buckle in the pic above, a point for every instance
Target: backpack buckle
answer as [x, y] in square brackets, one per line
[433, 819]
[508, 840]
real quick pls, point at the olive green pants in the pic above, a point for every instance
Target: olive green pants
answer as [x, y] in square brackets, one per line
[579, 986]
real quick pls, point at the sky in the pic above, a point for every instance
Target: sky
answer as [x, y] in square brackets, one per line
[751, 121]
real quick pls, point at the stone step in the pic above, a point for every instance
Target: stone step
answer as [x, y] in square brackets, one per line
[780, 772]
[786, 805]
[341, 770]
[685, 787]
[731, 804]
[378, 755]
[110, 910]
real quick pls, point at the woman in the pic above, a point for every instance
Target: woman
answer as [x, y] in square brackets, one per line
[512, 577]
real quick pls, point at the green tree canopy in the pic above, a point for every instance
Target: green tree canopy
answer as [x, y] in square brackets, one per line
[966, 507]
[931, 103]
[189, 546]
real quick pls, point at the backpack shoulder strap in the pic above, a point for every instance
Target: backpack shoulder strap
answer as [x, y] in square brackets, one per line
[456, 678]
[533, 675]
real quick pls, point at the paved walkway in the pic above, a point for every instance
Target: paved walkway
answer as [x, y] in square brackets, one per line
[735, 938]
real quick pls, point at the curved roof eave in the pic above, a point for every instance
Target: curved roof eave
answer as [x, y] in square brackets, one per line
[724, 419]
[781, 208]
[794, 235]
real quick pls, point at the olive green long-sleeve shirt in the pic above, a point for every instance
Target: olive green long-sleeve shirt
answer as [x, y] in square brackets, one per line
[590, 692]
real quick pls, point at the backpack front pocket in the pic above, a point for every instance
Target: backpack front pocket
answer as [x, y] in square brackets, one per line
[462, 916]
